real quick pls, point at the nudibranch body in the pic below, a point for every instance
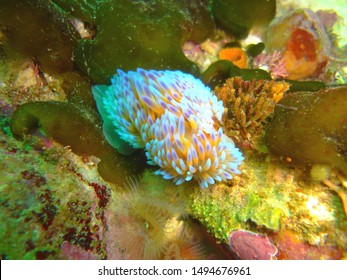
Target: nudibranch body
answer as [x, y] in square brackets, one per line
[171, 115]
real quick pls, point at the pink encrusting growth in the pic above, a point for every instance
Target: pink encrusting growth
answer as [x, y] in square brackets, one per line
[170, 114]
[273, 63]
[247, 245]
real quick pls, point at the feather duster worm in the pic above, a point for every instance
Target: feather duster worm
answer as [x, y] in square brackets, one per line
[141, 219]
[170, 114]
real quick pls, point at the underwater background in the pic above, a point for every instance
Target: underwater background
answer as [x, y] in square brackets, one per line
[154, 129]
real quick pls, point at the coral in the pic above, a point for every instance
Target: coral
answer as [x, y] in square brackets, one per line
[248, 104]
[171, 115]
[247, 245]
[206, 52]
[142, 218]
[300, 55]
[256, 197]
[309, 128]
[235, 55]
[290, 247]
[55, 205]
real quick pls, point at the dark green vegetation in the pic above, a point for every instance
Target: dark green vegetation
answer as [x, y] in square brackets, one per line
[311, 127]
[238, 17]
[71, 126]
[147, 34]
[37, 29]
[305, 85]
[218, 72]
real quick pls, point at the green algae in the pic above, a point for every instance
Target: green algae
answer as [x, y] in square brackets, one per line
[239, 17]
[35, 28]
[132, 34]
[255, 49]
[77, 89]
[310, 128]
[305, 85]
[83, 9]
[256, 200]
[218, 72]
[129, 34]
[267, 213]
[77, 128]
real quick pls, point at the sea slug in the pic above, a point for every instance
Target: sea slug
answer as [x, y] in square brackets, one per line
[171, 115]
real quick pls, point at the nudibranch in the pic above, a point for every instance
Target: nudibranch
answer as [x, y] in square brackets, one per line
[171, 115]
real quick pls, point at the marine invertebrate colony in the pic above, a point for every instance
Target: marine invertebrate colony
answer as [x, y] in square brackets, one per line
[142, 218]
[170, 114]
[248, 104]
[307, 44]
[235, 55]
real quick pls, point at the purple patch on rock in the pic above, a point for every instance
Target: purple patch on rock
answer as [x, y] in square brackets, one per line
[247, 245]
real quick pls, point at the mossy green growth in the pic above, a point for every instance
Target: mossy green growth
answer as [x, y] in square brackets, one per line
[146, 34]
[310, 128]
[37, 29]
[238, 17]
[79, 129]
[256, 200]
[267, 213]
